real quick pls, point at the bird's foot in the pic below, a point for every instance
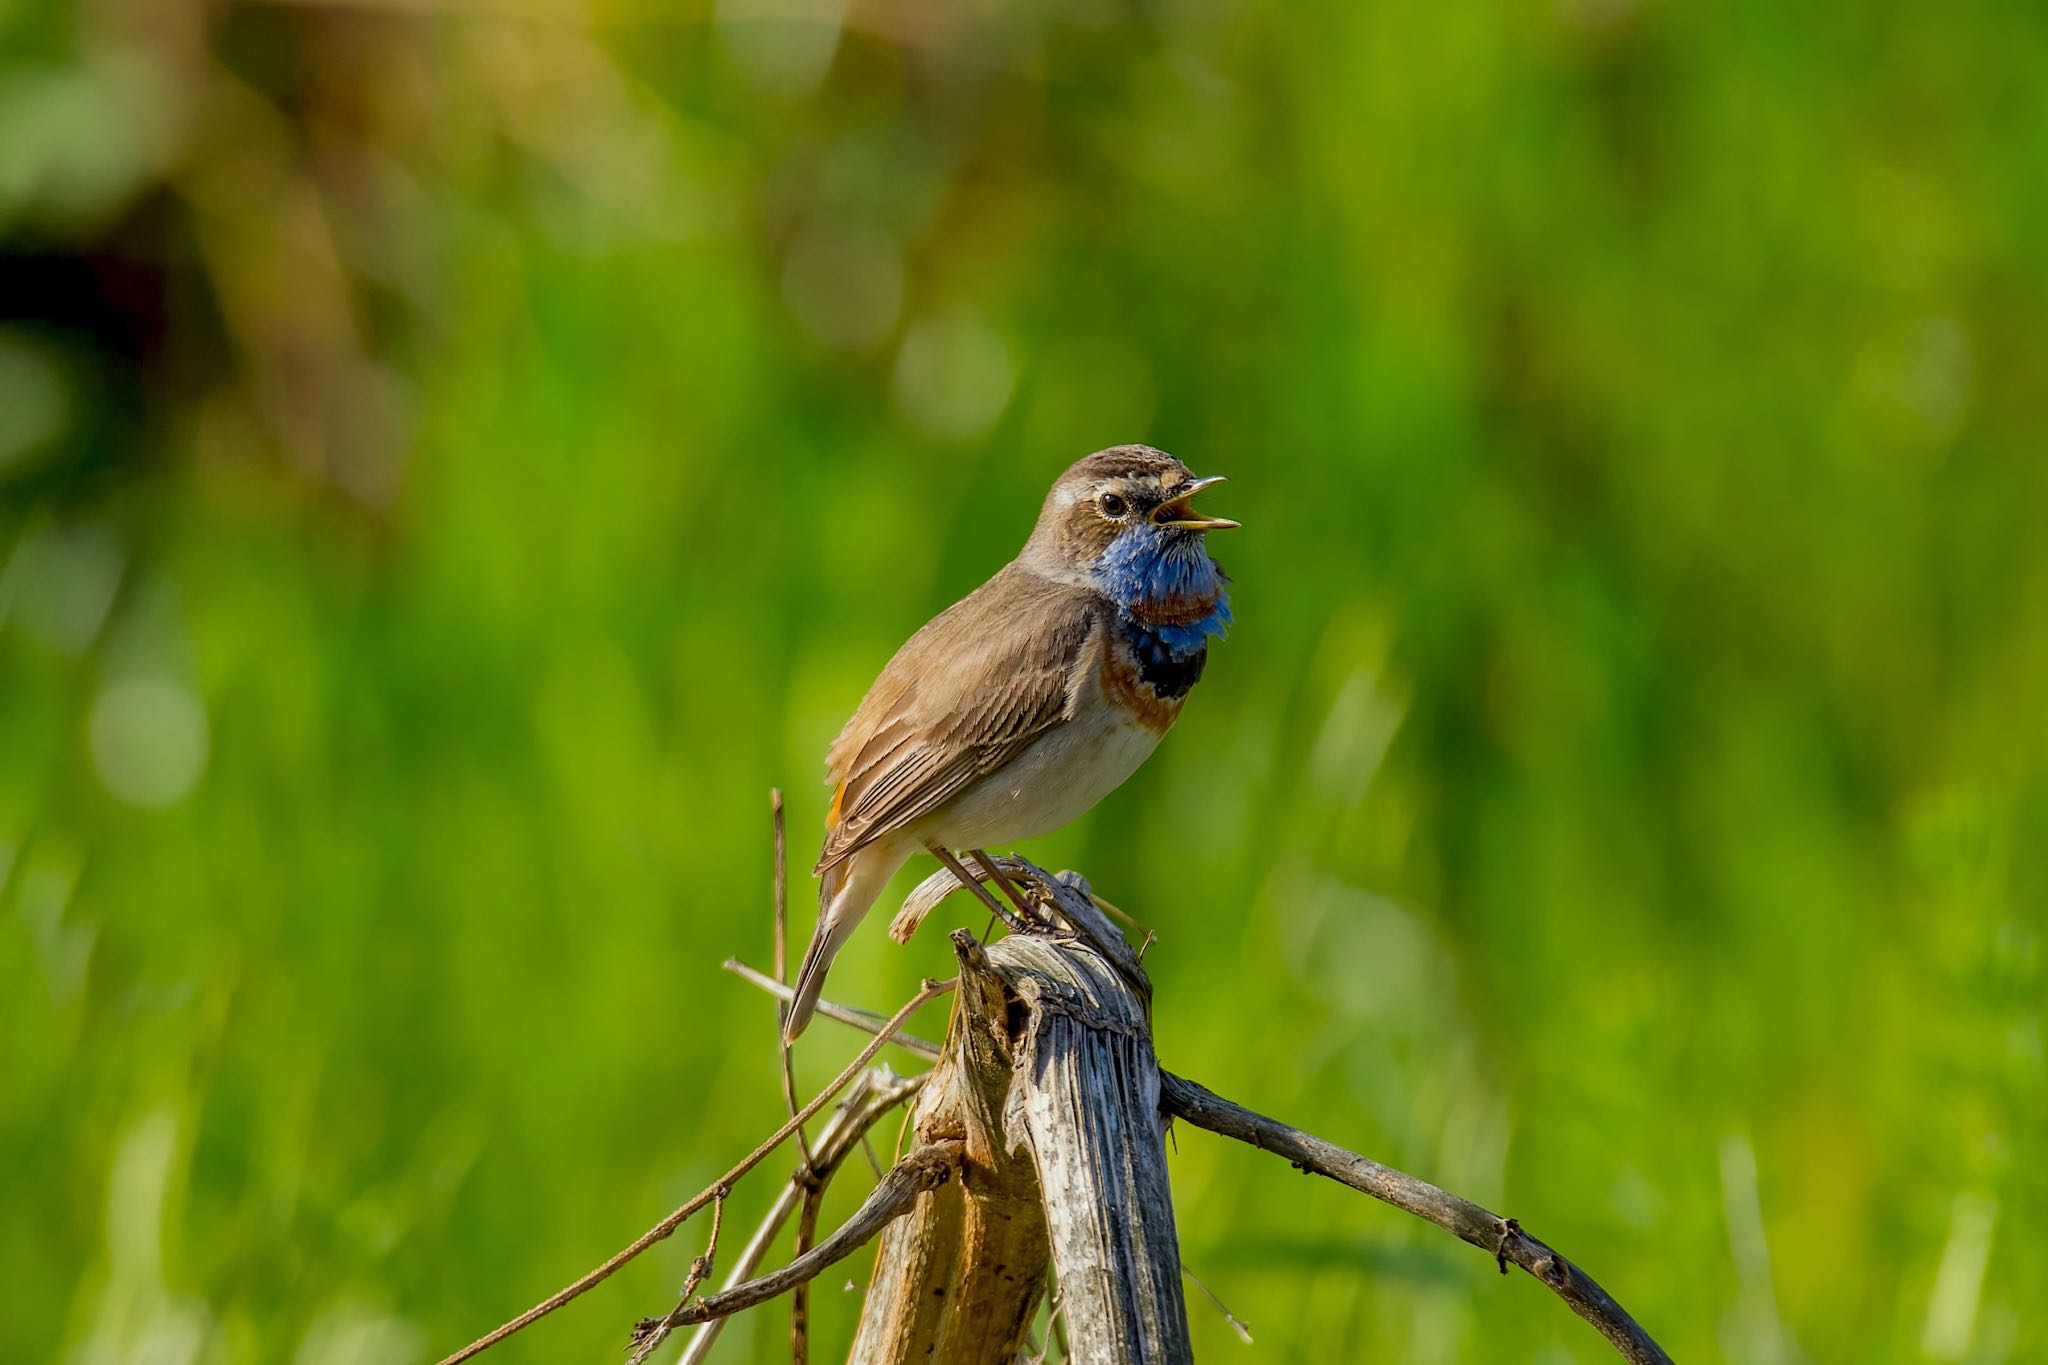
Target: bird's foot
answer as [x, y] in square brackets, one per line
[974, 884]
[1031, 909]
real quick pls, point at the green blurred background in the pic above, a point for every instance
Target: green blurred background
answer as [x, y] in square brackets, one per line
[454, 458]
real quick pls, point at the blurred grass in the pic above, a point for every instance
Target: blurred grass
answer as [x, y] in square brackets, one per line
[453, 461]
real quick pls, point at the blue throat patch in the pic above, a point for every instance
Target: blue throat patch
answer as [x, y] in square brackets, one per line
[1150, 567]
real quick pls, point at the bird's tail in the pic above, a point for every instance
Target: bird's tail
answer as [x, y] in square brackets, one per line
[810, 978]
[848, 889]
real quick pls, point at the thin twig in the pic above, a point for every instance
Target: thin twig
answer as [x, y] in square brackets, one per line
[1502, 1238]
[646, 1341]
[928, 992]
[867, 1021]
[803, 1145]
[781, 886]
[800, 1296]
[1237, 1324]
[1111, 910]
[865, 1105]
[925, 1168]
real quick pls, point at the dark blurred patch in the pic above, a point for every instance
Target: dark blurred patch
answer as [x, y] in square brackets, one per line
[104, 306]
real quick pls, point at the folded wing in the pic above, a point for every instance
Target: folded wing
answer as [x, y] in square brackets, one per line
[962, 697]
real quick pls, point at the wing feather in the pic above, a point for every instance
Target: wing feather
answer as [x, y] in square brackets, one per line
[962, 697]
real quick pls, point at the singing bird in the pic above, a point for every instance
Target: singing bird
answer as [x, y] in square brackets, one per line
[1022, 705]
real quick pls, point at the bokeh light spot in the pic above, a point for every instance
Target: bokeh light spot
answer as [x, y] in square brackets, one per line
[953, 376]
[782, 48]
[844, 284]
[61, 582]
[149, 741]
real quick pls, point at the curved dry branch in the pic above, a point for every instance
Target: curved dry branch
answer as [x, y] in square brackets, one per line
[874, 1096]
[1503, 1238]
[930, 991]
[1064, 905]
[800, 1296]
[924, 1169]
[867, 1021]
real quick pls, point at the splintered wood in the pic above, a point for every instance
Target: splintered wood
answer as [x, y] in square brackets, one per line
[1049, 1082]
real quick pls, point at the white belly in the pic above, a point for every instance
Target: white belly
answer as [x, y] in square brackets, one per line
[1050, 784]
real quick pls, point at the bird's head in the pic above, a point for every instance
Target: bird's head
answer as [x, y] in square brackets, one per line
[1121, 503]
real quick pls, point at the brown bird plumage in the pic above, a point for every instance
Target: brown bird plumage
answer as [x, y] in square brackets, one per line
[958, 701]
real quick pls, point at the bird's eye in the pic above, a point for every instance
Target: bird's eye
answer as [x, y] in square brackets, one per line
[1112, 505]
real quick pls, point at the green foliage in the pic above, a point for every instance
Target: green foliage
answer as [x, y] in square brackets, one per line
[1623, 799]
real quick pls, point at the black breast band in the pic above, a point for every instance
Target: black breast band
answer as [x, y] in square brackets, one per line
[1165, 675]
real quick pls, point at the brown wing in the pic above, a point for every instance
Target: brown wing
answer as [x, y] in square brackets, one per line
[960, 699]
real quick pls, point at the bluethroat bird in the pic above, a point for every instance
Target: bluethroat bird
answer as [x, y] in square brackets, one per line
[1022, 705]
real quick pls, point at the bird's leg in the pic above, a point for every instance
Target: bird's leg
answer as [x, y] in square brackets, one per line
[973, 883]
[1010, 888]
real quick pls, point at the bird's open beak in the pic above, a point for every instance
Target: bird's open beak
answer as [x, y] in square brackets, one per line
[1176, 512]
